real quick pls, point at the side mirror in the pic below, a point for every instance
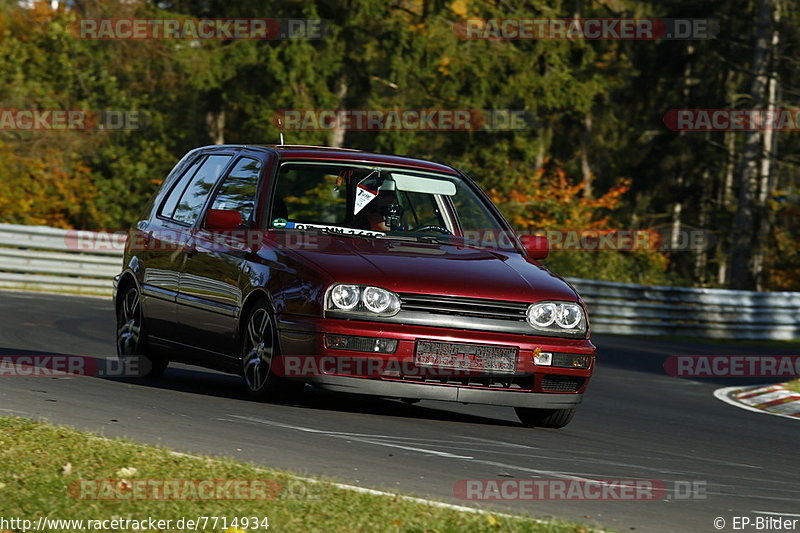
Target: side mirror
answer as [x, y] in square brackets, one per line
[536, 246]
[223, 219]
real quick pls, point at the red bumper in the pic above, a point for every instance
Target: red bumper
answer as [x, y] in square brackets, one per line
[532, 385]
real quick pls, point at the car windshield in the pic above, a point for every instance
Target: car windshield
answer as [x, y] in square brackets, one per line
[384, 202]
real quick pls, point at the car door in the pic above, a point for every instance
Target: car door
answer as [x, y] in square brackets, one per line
[159, 256]
[166, 237]
[211, 292]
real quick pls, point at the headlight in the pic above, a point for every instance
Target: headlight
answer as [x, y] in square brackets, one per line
[568, 316]
[378, 300]
[345, 297]
[557, 318]
[363, 300]
[542, 315]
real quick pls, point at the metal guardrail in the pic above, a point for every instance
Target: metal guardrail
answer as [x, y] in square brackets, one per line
[629, 309]
[46, 259]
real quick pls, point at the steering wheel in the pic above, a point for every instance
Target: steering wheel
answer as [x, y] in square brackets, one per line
[431, 227]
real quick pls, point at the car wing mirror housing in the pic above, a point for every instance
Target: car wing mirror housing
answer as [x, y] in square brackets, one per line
[536, 246]
[223, 219]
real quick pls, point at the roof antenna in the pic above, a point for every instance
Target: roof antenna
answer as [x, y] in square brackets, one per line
[280, 127]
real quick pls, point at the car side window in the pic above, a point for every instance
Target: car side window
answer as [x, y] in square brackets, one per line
[238, 191]
[310, 194]
[198, 188]
[474, 216]
[168, 207]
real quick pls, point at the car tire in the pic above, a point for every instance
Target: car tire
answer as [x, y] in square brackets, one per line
[545, 418]
[259, 348]
[132, 347]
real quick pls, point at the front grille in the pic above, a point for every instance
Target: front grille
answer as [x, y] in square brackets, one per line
[465, 307]
[493, 382]
[561, 383]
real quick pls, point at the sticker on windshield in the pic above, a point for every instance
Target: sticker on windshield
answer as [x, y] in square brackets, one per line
[363, 197]
[282, 223]
[337, 229]
[367, 190]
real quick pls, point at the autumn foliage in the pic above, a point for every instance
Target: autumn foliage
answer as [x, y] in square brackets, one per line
[551, 200]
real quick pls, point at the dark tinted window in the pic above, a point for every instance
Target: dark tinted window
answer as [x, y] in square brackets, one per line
[194, 196]
[313, 193]
[238, 192]
[168, 208]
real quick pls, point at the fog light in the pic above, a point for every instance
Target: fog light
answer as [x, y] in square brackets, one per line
[360, 344]
[336, 341]
[571, 360]
[542, 358]
[581, 361]
[385, 345]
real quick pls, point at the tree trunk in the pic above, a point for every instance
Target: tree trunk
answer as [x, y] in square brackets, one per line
[701, 255]
[743, 273]
[765, 177]
[680, 180]
[586, 169]
[545, 136]
[215, 117]
[336, 136]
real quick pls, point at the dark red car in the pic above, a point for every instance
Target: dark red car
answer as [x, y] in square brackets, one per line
[354, 272]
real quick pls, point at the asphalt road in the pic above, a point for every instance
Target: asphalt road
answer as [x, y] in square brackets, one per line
[635, 423]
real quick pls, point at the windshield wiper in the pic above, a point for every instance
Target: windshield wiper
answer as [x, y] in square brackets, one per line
[432, 239]
[435, 239]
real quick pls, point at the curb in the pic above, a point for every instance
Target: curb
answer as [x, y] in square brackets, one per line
[768, 399]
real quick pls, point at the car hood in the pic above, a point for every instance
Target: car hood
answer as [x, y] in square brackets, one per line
[432, 268]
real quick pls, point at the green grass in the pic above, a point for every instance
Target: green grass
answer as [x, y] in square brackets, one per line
[39, 463]
[794, 385]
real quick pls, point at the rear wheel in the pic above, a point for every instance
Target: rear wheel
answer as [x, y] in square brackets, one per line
[259, 350]
[545, 418]
[132, 348]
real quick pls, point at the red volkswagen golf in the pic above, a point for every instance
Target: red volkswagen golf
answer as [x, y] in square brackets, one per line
[354, 272]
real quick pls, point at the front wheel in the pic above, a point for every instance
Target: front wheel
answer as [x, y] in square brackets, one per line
[545, 418]
[132, 349]
[259, 350]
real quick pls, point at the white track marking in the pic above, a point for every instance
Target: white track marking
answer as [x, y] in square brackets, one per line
[356, 488]
[503, 443]
[336, 434]
[13, 411]
[353, 437]
[432, 503]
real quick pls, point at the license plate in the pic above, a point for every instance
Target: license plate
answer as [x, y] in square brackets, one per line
[474, 357]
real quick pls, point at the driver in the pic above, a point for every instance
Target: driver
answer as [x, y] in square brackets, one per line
[384, 213]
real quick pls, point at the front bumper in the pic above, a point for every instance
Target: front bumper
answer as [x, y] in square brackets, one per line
[303, 336]
[422, 391]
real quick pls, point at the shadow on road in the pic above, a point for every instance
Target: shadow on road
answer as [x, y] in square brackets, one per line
[190, 380]
[647, 355]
